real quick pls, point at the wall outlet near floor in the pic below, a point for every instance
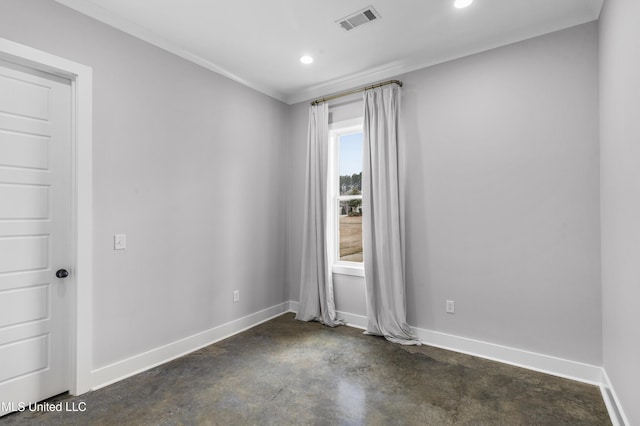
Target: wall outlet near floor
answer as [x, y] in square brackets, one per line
[451, 307]
[119, 241]
[236, 296]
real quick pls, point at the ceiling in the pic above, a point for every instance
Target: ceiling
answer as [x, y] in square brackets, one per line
[258, 43]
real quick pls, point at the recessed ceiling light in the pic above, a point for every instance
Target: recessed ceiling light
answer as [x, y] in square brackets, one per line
[461, 4]
[306, 59]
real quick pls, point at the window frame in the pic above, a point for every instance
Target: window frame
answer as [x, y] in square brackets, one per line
[337, 130]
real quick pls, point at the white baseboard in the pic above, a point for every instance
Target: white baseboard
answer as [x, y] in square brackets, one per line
[521, 358]
[533, 361]
[352, 320]
[616, 413]
[138, 363]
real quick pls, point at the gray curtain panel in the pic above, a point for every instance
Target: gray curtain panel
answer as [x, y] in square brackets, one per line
[381, 228]
[316, 284]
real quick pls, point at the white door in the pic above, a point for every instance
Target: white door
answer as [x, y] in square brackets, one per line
[35, 235]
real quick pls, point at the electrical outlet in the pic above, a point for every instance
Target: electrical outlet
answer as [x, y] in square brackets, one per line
[236, 296]
[451, 307]
[120, 241]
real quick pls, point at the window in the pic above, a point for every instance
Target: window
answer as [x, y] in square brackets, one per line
[345, 183]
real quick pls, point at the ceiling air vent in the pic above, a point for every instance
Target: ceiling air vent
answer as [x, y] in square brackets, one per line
[363, 16]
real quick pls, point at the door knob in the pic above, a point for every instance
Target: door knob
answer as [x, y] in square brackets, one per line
[62, 273]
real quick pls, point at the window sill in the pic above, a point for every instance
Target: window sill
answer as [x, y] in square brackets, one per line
[355, 270]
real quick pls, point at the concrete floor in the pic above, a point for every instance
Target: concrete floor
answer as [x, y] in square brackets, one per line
[287, 372]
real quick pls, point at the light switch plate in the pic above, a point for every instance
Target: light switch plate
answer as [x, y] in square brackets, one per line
[120, 241]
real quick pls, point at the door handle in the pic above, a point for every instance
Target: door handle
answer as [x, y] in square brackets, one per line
[62, 273]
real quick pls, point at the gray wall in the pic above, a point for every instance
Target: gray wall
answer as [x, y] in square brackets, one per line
[502, 199]
[189, 165]
[296, 160]
[501, 172]
[620, 206]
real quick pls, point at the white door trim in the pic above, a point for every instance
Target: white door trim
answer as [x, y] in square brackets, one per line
[82, 210]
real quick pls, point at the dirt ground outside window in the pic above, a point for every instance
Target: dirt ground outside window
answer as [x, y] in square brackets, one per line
[351, 238]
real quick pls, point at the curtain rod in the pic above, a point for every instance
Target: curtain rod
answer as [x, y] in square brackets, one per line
[351, 92]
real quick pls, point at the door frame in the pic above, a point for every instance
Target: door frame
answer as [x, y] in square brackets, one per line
[81, 77]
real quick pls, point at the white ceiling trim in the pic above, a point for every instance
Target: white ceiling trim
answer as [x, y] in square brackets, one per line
[395, 69]
[347, 82]
[96, 12]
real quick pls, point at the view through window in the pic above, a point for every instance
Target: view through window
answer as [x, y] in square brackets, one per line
[349, 197]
